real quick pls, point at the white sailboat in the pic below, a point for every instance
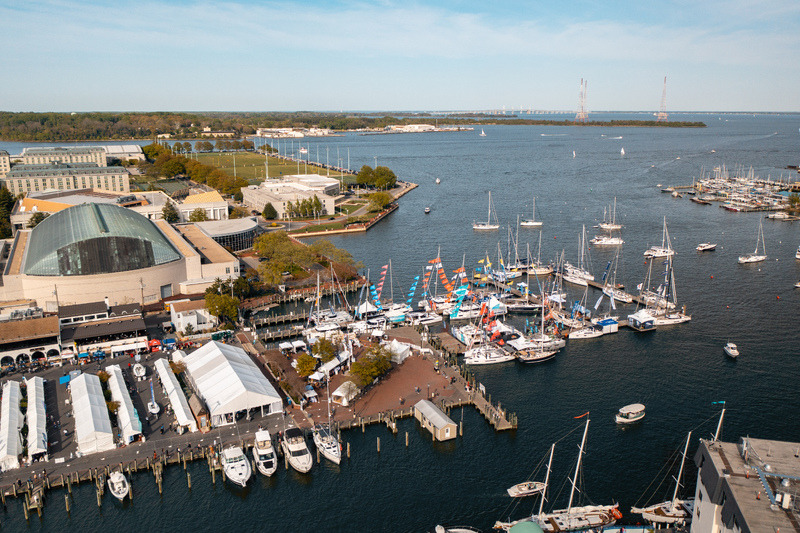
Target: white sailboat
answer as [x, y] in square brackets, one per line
[578, 275]
[532, 222]
[611, 225]
[610, 286]
[756, 257]
[674, 511]
[665, 250]
[622, 151]
[325, 439]
[482, 133]
[572, 518]
[667, 313]
[491, 219]
[529, 488]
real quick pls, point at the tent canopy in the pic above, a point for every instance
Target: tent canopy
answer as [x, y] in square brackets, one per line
[127, 419]
[92, 424]
[177, 399]
[37, 417]
[345, 393]
[10, 424]
[399, 351]
[228, 381]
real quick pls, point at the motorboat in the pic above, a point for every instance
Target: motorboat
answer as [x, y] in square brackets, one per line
[797, 253]
[296, 451]
[756, 257]
[731, 350]
[327, 443]
[118, 485]
[486, 354]
[630, 414]
[607, 240]
[526, 488]
[264, 453]
[536, 355]
[438, 181]
[236, 466]
[706, 247]
[427, 210]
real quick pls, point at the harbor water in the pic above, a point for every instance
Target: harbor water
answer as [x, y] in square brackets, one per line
[677, 372]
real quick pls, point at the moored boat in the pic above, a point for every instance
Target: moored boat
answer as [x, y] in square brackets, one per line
[731, 350]
[264, 453]
[526, 488]
[486, 354]
[630, 414]
[235, 465]
[491, 223]
[296, 450]
[327, 443]
[118, 485]
[706, 247]
[756, 257]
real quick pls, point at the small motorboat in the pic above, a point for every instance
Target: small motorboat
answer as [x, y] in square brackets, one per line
[236, 466]
[731, 350]
[264, 453]
[118, 485]
[526, 488]
[427, 210]
[438, 181]
[630, 414]
[706, 247]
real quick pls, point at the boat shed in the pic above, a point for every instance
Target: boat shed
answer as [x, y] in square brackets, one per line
[92, 424]
[127, 418]
[10, 425]
[434, 420]
[37, 419]
[229, 382]
[177, 399]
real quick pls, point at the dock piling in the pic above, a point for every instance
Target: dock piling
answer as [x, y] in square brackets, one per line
[189, 479]
[379, 445]
[348, 449]
[406, 439]
[66, 502]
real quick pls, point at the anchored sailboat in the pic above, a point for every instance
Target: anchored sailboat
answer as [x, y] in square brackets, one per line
[532, 222]
[756, 257]
[491, 219]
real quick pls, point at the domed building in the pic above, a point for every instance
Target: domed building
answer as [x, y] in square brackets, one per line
[90, 252]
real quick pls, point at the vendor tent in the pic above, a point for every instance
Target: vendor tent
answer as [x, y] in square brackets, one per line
[331, 366]
[10, 424]
[127, 418]
[229, 382]
[345, 393]
[92, 425]
[299, 345]
[399, 351]
[364, 309]
[37, 419]
[177, 399]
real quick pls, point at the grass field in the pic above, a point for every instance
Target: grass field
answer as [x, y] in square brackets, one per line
[251, 166]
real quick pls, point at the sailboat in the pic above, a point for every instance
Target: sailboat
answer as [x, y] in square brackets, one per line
[666, 313]
[622, 151]
[482, 133]
[755, 257]
[152, 406]
[325, 439]
[578, 275]
[585, 330]
[674, 511]
[532, 222]
[529, 488]
[491, 219]
[610, 286]
[665, 250]
[572, 518]
[611, 225]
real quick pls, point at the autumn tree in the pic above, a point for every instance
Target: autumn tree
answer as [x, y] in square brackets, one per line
[170, 213]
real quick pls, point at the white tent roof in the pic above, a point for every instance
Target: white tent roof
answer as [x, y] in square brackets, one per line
[228, 380]
[334, 363]
[127, 418]
[365, 308]
[344, 393]
[37, 418]
[10, 424]
[177, 398]
[92, 425]
[285, 346]
[299, 345]
[399, 351]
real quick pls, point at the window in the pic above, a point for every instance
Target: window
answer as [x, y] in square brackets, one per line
[227, 270]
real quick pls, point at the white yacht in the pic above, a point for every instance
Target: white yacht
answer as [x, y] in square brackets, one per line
[295, 449]
[531, 222]
[486, 354]
[264, 453]
[118, 485]
[618, 294]
[731, 350]
[327, 443]
[665, 250]
[235, 465]
[706, 247]
[611, 225]
[607, 240]
[630, 414]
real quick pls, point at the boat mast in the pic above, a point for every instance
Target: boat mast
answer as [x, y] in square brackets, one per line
[577, 467]
[719, 424]
[547, 478]
[489, 211]
[680, 472]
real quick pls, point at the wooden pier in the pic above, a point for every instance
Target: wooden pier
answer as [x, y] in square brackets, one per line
[280, 319]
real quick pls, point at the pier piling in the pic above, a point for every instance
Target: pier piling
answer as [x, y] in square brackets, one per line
[348, 449]
[66, 502]
[189, 479]
[379, 445]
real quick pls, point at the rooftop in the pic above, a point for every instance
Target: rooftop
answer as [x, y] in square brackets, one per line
[91, 308]
[205, 245]
[33, 328]
[102, 328]
[61, 169]
[191, 305]
[205, 197]
[216, 228]
[54, 150]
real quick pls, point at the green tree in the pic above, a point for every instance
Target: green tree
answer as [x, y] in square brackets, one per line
[306, 365]
[223, 306]
[36, 218]
[198, 215]
[379, 201]
[170, 213]
[384, 178]
[375, 363]
[269, 212]
[365, 176]
[173, 167]
[324, 349]
[238, 212]
[325, 248]
[187, 147]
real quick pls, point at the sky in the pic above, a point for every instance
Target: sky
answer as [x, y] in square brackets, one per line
[394, 55]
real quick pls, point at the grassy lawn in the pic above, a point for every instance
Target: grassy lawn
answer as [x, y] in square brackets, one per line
[349, 207]
[250, 166]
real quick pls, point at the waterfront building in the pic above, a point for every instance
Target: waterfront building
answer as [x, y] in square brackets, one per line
[5, 163]
[229, 382]
[31, 339]
[25, 178]
[89, 327]
[93, 432]
[186, 313]
[70, 155]
[294, 188]
[744, 487]
[435, 420]
[124, 152]
[90, 252]
[234, 234]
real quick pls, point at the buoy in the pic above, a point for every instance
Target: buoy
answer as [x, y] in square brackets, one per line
[712, 277]
[758, 496]
[778, 297]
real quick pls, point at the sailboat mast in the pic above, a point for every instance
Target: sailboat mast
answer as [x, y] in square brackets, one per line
[547, 478]
[719, 424]
[680, 472]
[577, 467]
[489, 210]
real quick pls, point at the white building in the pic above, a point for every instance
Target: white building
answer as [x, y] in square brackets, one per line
[173, 391]
[185, 313]
[294, 188]
[10, 425]
[230, 383]
[127, 418]
[93, 431]
[37, 419]
[72, 154]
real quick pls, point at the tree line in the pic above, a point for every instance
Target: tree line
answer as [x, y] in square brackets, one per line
[162, 162]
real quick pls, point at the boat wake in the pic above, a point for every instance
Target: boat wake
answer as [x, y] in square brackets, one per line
[553, 134]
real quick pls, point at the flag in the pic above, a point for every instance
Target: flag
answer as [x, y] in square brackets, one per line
[584, 414]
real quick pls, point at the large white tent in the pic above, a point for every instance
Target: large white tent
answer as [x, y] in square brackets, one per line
[173, 391]
[228, 381]
[398, 350]
[37, 418]
[345, 393]
[10, 424]
[127, 418]
[92, 425]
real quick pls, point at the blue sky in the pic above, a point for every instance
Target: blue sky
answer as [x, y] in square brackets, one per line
[67, 55]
